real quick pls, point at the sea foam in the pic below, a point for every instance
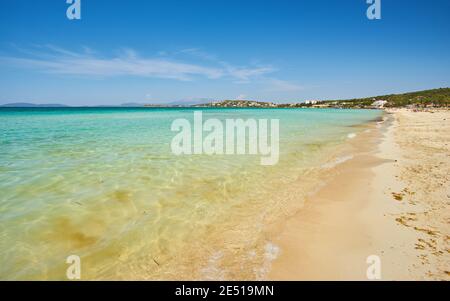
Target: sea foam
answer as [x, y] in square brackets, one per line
[337, 162]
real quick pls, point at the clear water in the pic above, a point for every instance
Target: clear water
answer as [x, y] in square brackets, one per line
[102, 183]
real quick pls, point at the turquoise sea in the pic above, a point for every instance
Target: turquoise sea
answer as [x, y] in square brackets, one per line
[103, 184]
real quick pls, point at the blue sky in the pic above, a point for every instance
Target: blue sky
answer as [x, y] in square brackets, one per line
[162, 51]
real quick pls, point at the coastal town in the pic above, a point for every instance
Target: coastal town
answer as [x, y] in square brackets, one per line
[436, 98]
[377, 104]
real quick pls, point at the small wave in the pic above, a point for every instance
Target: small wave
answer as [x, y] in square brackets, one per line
[271, 252]
[380, 123]
[336, 162]
[213, 271]
[351, 135]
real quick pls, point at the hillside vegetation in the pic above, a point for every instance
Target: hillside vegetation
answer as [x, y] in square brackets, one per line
[436, 97]
[428, 98]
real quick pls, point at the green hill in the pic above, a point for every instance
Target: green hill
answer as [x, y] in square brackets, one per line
[437, 97]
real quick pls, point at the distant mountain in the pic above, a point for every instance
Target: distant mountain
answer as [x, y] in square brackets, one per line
[190, 102]
[132, 105]
[32, 105]
[180, 103]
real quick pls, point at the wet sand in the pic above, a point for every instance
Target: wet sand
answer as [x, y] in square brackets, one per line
[392, 200]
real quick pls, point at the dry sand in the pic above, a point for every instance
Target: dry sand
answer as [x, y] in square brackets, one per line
[391, 200]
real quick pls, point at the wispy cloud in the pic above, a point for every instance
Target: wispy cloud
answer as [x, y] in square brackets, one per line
[239, 73]
[244, 74]
[197, 52]
[278, 85]
[128, 62]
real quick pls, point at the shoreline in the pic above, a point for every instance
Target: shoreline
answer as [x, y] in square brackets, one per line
[374, 206]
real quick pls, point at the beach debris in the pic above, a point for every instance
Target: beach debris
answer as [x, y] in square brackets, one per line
[419, 247]
[398, 196]
[424, 242]
[402, 220]
[427, 231]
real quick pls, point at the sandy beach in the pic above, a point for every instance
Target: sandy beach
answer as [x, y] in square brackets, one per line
[391, 200]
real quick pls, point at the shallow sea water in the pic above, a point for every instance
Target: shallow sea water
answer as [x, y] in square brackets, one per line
[103, 184]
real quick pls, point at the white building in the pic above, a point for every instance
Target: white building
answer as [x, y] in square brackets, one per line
[311, 102]
[379, 103]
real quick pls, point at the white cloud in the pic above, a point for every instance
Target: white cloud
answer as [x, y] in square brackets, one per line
[61, 51]
[278, 85]
[239, 73]
[117, 67]
[128, 62]
[243, 74]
